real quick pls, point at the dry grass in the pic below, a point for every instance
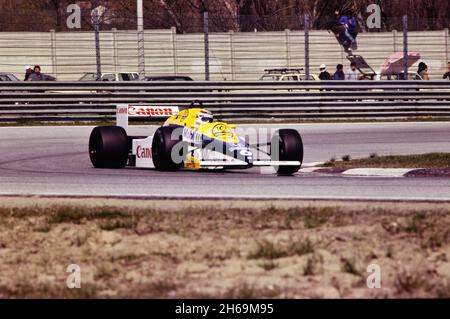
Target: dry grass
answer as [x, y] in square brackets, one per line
[210, 249]
[270, 250]
[432, 160]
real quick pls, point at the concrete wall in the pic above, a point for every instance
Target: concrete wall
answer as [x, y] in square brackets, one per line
[233, 56]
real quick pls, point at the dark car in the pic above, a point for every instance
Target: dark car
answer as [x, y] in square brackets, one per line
[168, 78]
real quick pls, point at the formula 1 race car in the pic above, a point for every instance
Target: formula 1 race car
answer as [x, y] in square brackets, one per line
[190, 139]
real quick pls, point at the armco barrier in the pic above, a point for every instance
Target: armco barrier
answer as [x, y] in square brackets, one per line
[94, 101]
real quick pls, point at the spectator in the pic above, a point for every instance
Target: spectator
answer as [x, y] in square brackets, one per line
[423, 71]
[335, 20]
[38, 76]
[339, 75]
[353, 26]
[447, 75]
[28, 72]
[353, 74]
[324, 75]
[349, 22]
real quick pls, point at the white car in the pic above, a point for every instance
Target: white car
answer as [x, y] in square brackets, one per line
[122, 76]
[386, 77]
[287, 74]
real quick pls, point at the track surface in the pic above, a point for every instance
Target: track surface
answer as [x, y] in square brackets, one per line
[55, 161]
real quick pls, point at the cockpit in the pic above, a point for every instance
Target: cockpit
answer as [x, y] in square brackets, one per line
[204, 117]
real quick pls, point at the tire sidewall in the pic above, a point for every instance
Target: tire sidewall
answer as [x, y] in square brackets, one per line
[290, 149]
[109, 147]
[164, 142]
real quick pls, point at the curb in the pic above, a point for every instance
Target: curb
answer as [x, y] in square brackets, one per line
[381, 172]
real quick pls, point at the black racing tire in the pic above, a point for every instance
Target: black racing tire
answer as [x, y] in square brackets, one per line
[109, 147]
[164, 142]
[290, 149]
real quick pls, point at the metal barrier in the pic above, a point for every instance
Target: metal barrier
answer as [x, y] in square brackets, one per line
[96, 101]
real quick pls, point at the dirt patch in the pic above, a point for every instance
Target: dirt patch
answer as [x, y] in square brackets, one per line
[210, 249]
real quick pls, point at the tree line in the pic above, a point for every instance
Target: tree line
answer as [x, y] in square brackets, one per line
[224, 15]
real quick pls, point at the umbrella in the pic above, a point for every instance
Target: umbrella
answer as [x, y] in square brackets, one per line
[395, 63]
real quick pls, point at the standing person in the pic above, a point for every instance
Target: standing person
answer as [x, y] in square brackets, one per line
[338, 26]
[339, 75]
[349, 24]
[38, 76]
[353, 74]
[353, 30]
[28, 72]
[447, 75]
[324, 75]
[423, 71]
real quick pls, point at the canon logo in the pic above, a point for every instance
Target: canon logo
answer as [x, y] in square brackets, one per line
[143, 152]
[122, 110]
[150, 111]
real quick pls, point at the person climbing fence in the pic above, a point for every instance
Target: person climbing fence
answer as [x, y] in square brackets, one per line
[345, 28]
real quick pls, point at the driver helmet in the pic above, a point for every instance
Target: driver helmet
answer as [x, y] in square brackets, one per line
[203, 117]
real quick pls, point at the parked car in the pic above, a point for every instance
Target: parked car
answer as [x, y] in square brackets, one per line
[122, 76]
[398, 76]
[8, 77]
[168, 78]
[287, 74]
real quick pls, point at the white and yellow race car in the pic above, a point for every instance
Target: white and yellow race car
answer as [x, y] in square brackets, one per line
[190, 139]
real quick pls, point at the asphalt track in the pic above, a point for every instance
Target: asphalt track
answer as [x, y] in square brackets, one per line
[54, 161]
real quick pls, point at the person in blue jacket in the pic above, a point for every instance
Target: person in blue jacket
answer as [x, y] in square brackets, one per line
[350, 24]
[339, 75]
[352, 28]
[346, 29]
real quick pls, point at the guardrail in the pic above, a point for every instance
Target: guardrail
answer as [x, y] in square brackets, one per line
[94, 101]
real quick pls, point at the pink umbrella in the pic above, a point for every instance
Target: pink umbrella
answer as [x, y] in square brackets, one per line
[395, 63]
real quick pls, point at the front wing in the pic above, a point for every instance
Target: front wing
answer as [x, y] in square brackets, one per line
[237, 163]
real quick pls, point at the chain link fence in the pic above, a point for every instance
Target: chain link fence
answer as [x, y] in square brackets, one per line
[239, 48]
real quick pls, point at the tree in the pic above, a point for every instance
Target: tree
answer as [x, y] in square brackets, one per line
[237, 15]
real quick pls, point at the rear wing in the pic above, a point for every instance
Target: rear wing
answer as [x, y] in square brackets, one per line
[125, 112]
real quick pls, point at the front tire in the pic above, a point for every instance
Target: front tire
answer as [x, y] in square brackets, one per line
[290, 149]
[109, 147]
[168, 150]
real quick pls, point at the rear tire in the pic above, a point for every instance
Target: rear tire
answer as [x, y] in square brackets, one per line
[163, 145]
[290, 149]
[109, 147]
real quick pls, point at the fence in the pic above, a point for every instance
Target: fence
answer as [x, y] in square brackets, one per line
[232, 55]
[96, 101]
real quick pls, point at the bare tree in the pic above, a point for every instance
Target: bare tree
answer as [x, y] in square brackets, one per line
[237, 15]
